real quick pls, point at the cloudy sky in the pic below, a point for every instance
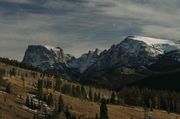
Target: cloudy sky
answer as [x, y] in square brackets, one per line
[81, 25]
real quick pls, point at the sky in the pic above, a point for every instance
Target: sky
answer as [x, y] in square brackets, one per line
[78, 26]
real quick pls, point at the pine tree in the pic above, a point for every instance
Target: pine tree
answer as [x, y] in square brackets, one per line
[113, 98]
[31, 104]
[49, 84]
[96, 117]
[78, 91]
[27, 102]
[90, 95]
[73, 91]
[83, 91]
[35, 116]
[95, 97]
[99, 97]
[54, 115]
[40, 89]
[9, 88]
[45, 97]
[66, 89]
[150, 105]
[22, 77]
[58, 84]
[68, 114]
[50, 99]
[60, 104]
[2, 73]
[103, 110]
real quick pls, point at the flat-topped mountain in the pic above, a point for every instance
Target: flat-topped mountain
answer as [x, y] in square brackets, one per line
[44, 57]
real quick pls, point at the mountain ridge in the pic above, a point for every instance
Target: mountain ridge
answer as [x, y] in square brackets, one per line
[129, 52]
[137, 52]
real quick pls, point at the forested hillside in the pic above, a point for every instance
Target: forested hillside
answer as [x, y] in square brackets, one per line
[39, 94]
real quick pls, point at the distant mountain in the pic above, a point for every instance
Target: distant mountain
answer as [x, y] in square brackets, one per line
[166, 73]
[135, 51]
[51, 59]
[45, 57]
[85, 61]
[133, 59]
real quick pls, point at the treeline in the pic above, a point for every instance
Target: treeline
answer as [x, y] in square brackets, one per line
[69, 89]
[3, 83]
[134, 96]
[22, 65]
[54, 109]
[59, 108]
[78, 91]
[19, 64]
[147, 98]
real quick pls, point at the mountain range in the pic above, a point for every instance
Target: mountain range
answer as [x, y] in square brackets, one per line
[133, 59]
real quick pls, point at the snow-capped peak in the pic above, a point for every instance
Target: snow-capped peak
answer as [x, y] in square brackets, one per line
[159, 44]
[152, 41]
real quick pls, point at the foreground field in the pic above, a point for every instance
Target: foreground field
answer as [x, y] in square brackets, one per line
[11, 106]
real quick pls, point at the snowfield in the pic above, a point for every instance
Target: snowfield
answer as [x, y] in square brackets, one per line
[159, 44]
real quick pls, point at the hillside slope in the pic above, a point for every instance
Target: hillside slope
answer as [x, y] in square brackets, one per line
[12, 105]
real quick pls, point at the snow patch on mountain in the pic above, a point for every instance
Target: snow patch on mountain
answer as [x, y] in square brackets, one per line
[151, 41]
[52, 48]
[133, 51]
[162, 45]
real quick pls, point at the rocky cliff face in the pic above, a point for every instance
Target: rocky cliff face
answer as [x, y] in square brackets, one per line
[85, 61]
[134, 52]
[51, 59]
[133, 59]
[44, 57]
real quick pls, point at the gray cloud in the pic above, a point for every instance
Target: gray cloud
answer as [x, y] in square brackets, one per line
[81, 25]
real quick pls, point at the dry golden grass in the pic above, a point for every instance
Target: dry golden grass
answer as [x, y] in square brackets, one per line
[12, 109]
[82, 107]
